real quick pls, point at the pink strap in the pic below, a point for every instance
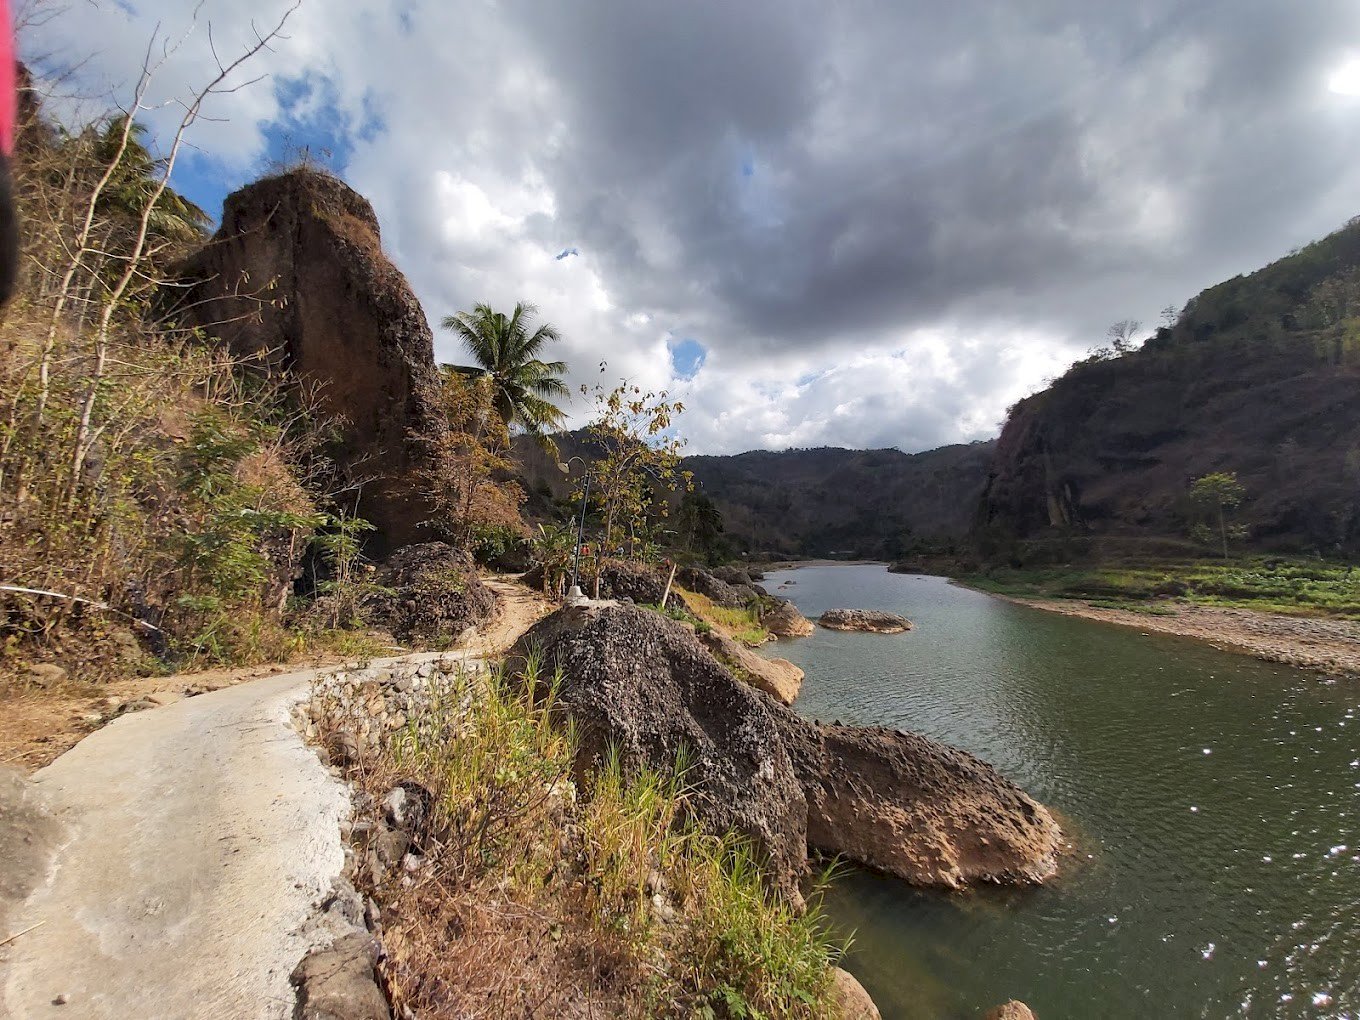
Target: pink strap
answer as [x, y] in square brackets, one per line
[7, 96]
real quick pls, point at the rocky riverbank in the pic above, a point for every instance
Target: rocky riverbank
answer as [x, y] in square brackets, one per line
[1330, 646]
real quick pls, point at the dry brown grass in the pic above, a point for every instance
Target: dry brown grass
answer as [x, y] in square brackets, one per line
[534, 902]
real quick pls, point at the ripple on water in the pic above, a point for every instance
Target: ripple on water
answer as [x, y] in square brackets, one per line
[1215, 884]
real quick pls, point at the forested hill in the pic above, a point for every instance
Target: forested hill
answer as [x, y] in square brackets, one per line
[1259, 376]
[821, 502]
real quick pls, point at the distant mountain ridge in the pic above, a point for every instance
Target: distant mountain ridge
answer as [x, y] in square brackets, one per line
[817, 502]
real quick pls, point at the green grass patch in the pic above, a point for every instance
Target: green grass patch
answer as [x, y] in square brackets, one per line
[739, 624]
[1300, 587]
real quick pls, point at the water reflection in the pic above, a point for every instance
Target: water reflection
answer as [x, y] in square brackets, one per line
[1216, 884]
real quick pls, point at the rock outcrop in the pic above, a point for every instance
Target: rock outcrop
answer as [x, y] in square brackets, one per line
[429, 593]
[849, 999]
[642, 684]
[340, 982]
[1013, 1010]
[896, 802]
[636, 582]
[296, 278]
[908, 806]
[718, 591]
[782, 619]
[872, 621]
[778, 678]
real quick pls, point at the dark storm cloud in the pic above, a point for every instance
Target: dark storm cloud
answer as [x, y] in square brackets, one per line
[816, 171]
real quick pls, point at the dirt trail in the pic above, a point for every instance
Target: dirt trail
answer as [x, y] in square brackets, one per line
[518, 608]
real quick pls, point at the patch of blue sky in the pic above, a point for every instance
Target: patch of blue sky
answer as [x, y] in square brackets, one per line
[687, 356]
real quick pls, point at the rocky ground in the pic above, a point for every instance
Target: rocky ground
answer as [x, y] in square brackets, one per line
[1330, 646]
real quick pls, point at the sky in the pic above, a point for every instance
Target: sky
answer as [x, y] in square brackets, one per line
[860, 224]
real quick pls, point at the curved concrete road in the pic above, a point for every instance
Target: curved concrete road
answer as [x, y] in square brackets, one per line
[203, 838]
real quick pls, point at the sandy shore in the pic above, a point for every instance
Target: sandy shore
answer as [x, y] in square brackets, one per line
[1331, 646]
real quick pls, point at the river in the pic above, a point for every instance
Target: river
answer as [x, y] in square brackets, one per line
[1214, 800]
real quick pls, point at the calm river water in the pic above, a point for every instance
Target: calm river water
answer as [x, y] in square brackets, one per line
[1215, 801]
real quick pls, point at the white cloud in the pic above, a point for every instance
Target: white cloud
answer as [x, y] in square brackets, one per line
[882, 230]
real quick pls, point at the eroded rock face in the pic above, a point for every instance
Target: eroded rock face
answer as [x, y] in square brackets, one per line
[778, 678]
[782, 619]
[906, 805]
[296, 277]
[869, 620]
[642, 683]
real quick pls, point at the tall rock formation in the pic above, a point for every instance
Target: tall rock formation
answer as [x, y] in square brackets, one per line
[296, 277]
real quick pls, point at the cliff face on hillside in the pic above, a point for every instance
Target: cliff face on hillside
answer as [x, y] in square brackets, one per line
[821, 502]
[1259, 376]
[297, 278]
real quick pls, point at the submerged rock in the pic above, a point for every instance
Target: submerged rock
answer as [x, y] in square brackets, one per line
[1013, 1010]
[912, 807]
[871, 620]
[849, 999]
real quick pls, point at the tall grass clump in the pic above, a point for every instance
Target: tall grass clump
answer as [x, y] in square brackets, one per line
[554, 890]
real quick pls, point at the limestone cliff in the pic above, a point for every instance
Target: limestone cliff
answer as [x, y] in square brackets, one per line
[296, 276]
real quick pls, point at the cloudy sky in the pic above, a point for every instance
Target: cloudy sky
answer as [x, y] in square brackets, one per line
[859, 224]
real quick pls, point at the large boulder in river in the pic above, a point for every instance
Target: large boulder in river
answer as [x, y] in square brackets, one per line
[896, 802]
[296, 280]
[909, 806]
[641, 683]
[782, 619]
[872, 621]
[778, 678]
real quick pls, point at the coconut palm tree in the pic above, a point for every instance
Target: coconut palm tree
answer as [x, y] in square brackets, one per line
[507, 356]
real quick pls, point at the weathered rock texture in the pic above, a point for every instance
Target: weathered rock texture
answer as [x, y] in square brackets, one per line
[643, 684]
[1013, 1010]
[896, 802]
[353, 712]
[296, 277]
[870, 620]
[779, 678]
[782, 619]
[911, 807]
[430, 593]
[340, 982]
[850, 1000]
[637, 582]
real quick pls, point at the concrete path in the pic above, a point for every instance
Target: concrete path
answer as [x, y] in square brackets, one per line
[202, 838]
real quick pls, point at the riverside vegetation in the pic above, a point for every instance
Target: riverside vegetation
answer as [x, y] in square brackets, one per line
[547, 892]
